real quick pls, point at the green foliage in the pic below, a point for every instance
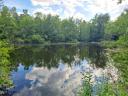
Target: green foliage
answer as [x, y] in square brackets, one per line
[97, 28]
[4, 64]
[24, 28]
[111, 44]
[123, 41]
[7, 24]
[84, 29]
[121, 59]
[103, 89]
[87, 87]
[118, 27]
[69, 29]
[37, 39]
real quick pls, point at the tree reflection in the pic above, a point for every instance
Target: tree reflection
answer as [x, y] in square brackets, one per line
[50, 56]
[97, 56]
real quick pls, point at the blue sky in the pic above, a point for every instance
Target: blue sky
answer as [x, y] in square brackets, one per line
[85, 9]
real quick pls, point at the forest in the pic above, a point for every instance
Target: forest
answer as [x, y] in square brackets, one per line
[40, 28]
[24, 28]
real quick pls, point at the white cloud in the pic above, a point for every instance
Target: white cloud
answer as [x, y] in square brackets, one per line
[85, 9]
[44, 2]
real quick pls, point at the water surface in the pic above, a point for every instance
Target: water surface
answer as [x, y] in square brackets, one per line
[54, 70]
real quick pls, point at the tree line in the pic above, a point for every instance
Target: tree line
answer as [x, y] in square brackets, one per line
[40, 28]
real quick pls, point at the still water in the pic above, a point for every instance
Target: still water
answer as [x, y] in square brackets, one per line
[54, 70]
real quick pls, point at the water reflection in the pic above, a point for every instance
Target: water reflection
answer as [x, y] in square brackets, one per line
[19, 79]
[53, 70]
[49, 56]
[96, 56]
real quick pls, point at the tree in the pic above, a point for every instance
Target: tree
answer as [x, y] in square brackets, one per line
[51, 27]
[97, 28]
[14, 13]
[39, 23]
[121, 22]
[26, 27]
[69, 30]
[25, 12]
[7, 24]
[84, 29]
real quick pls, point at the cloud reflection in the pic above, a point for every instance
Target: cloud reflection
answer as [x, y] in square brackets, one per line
[64, 80]
[61, 81]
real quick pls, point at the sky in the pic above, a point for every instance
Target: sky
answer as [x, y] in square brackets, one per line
[82, 9]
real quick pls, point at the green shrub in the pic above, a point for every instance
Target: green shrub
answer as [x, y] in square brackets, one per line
[4, 63]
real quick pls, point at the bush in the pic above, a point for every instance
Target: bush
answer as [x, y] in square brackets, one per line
[4, 63]
[37, 39]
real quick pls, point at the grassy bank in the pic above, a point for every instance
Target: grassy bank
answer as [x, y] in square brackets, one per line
[5, 69]
[118, 52]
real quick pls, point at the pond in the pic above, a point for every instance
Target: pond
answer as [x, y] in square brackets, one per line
[53, 70]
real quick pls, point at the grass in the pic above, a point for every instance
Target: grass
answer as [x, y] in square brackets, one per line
[104, 89]
[118, 51]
